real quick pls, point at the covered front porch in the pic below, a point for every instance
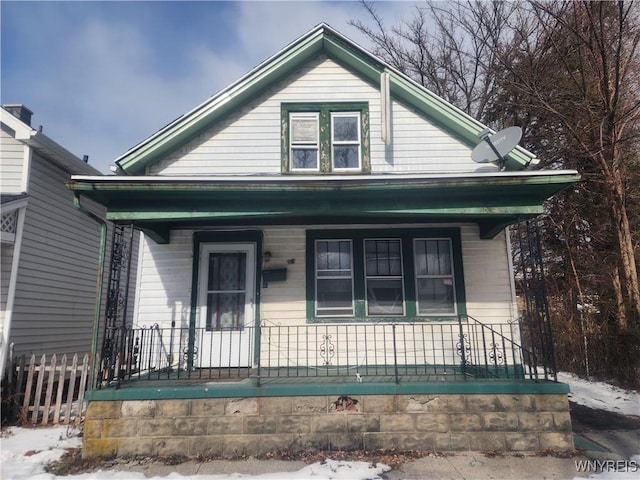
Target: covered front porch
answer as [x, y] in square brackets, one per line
[259, 353]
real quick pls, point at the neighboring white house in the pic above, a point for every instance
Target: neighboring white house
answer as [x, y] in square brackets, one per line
[321, 223]
[50, 250]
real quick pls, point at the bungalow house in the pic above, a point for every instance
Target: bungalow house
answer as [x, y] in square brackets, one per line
[323, 266]
[49, 250]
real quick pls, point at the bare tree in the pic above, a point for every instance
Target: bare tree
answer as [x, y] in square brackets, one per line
[569, 74]
[450, 48]
[589, 50]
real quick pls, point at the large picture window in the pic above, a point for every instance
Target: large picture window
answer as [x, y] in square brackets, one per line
[325, 138]
[364, 275]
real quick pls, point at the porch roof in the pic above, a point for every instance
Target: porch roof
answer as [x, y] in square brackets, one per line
[156, 204]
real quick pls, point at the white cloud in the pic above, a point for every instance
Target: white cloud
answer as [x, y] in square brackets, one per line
[101, 79]
[267, 27]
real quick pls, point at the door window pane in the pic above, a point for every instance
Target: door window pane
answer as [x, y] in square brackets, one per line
[225, 311]
[226, 291]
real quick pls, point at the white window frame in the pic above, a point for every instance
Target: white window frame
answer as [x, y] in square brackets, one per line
[347, 113]
[303, 145]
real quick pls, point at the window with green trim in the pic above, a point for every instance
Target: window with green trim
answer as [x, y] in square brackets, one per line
[369, 275]
[325, 138]
[435, 292]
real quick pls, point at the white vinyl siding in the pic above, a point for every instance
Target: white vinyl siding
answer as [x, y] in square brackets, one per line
[249, 140]
[164, 281]
[54, 305]
[284, 302]
[487, 277]
[11, 164]
[165, 277]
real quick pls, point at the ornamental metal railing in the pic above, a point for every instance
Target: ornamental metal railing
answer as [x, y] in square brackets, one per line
[462, 350]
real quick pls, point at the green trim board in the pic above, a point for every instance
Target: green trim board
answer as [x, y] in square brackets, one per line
[249, 390]
[320, 40]
[407, 237]
[161, 203]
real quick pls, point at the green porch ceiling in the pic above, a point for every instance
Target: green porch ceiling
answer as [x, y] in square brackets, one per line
[158, 204]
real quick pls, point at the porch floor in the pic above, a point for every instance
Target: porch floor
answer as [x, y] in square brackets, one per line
[384, 374]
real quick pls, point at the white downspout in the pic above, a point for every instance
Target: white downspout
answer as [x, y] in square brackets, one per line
[385, 108]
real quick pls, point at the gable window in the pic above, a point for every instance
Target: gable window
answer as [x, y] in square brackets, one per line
[345, 141]
[363, 275]
[325, 138]
[304, 141]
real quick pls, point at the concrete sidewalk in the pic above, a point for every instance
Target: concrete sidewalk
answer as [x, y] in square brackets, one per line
[467, 466]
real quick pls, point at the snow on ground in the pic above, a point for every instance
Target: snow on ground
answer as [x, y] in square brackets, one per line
[601, 396]
[24, 452]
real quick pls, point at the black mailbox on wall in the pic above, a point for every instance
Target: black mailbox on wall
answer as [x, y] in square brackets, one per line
[273, 275]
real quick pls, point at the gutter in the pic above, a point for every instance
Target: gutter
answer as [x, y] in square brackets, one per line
[538, 176]
[99, 284]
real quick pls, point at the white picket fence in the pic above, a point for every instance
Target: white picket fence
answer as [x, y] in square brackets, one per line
[43, 401]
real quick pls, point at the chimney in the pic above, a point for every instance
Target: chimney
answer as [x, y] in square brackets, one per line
[20, 111]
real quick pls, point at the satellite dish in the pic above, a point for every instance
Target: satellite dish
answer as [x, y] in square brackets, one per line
[494, 148]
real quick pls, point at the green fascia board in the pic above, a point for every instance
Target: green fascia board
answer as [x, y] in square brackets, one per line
[186, 214]
[490, 201]
[489, 226]
[321, 40]
[167, 391]
[158, 204]
[106, 187]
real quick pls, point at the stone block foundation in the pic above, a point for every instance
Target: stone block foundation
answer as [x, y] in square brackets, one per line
[251, 426]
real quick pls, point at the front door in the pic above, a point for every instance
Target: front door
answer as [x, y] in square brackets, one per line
[226, 305]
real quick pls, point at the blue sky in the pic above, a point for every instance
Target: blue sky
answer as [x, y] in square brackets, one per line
[102, 76]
